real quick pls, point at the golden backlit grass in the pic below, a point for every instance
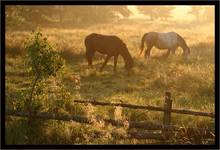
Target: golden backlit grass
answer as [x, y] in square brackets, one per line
[191, 83]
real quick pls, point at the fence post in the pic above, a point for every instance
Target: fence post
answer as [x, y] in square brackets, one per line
[167, 114]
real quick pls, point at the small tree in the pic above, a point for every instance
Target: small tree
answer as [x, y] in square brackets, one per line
[42, 60]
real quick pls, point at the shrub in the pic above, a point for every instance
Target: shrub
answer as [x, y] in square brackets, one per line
[42, 60]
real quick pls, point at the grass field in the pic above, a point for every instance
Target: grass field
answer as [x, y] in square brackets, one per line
[190, 82]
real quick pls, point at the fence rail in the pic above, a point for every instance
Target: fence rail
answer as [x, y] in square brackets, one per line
[147, 107]
[83, 119]
[147, 125]
[166, 129]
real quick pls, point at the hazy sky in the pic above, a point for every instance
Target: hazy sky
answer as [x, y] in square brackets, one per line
[179, 13]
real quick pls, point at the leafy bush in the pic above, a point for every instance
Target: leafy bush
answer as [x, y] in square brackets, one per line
[43, 60]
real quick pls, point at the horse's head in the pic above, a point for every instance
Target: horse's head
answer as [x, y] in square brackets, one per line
[184, 46]
[127, 57]
[129, 65]
[186, 51]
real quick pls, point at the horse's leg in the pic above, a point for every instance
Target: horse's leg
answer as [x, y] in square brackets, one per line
[173, 50]
[89, 56]
[105, 62]
[115, 62]
[168, 53]
[147, 52]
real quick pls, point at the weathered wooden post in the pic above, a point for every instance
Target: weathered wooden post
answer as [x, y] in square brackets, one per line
[167, 114]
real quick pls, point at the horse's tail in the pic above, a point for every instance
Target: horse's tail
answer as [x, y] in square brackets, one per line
[142, 43]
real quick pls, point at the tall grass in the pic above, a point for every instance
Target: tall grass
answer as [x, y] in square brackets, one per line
[191, 83]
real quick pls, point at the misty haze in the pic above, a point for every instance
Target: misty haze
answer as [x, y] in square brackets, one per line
[67, 66]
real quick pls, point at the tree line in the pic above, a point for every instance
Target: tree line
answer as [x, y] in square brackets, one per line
[24, 16]
[63, 16]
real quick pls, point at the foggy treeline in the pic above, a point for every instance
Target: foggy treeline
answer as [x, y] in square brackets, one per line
[159, 12]
[24, 17]
[65, 16]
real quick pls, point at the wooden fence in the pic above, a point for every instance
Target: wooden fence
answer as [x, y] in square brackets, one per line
[165, 131]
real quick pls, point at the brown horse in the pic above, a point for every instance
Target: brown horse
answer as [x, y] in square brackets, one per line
[169, 40]
[110, 46]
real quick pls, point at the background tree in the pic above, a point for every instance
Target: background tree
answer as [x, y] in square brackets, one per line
[209, 14]
[64, 16]
[202, 13]
[165, 12]
[13, 15]
[196, 11]
[156, 12]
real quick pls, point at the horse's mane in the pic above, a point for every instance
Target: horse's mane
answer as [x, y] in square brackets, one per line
[181, 39]
[183, 44]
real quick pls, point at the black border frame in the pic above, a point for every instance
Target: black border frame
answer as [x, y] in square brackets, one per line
[109, 2]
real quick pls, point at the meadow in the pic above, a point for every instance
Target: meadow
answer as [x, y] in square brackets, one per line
[191, 83]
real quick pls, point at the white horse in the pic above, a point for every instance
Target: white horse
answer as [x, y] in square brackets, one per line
[169, 40]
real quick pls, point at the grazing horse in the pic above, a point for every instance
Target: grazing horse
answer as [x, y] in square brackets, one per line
[169, 40]
[110, 46]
